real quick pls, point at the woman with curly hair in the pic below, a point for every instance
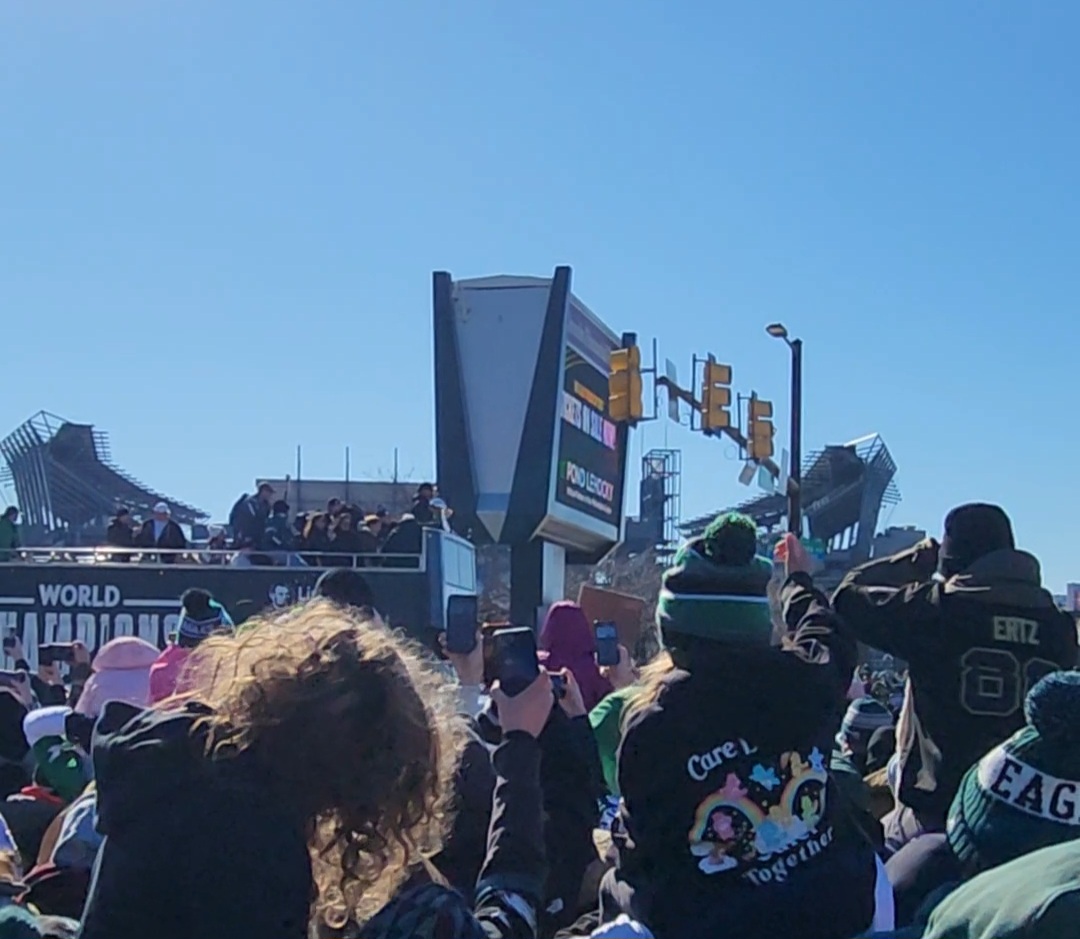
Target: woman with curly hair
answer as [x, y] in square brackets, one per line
[306, 785]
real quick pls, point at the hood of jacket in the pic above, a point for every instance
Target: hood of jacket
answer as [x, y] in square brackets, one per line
[144, 760]
[1007, 576]
[566, 633]
[125, 652]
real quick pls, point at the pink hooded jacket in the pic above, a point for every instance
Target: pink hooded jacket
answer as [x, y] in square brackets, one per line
[121, 672]
[568, 640]
[165, 673]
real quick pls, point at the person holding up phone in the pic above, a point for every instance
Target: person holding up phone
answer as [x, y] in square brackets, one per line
[567, 641]
[729, 824]
[47, 683]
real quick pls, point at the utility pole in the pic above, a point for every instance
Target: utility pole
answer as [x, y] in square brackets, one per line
[794, 489]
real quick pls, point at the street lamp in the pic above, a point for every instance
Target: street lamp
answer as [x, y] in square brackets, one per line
[794, 493]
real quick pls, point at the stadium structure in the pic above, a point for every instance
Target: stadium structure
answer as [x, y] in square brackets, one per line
[67, 485]
[845, 490]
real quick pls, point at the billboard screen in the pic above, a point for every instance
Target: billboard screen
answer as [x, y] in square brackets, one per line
[590, 449]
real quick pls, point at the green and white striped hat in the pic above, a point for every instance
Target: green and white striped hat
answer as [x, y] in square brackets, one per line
[718, 586]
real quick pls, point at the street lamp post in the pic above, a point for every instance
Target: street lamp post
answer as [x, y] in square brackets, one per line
[794, 492]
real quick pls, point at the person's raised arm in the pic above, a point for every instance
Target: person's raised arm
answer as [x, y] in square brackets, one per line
[511, 884]
[898, 616]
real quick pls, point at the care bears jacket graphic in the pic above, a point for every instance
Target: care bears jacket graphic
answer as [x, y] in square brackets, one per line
[730, 823]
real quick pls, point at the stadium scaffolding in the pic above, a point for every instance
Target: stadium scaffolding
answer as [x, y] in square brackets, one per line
[68, 486]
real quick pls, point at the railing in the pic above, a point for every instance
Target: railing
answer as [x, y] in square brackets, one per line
[205, 557]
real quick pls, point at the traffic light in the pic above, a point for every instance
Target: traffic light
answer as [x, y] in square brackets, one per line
[760, 432]
[715, 396]
[624, 385]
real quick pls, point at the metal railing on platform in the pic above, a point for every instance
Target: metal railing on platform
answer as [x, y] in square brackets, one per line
[229, 558]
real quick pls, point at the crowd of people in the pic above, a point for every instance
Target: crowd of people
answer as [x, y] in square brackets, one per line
[262, 531]
[313, 775]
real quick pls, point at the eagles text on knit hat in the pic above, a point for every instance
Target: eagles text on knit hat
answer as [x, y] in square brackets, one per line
[717, 588]
[1025, 793]
[200, 617]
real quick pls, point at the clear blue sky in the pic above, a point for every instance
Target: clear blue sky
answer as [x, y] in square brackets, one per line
[219, 222]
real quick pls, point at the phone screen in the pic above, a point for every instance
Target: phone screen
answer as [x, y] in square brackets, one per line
[50, 653]
[462, 613]
[510, 658]
[607, 643]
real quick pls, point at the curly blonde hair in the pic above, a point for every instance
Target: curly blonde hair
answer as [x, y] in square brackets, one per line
[356, 732]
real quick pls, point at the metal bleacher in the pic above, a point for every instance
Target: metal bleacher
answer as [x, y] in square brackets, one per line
[67, 484]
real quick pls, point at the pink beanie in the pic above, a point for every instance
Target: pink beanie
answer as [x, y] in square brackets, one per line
[121, 673]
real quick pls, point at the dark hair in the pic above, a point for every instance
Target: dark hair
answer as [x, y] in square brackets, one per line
[11, 511]
[423, 486]
[280, 507]
[345, 587]
[311, 523]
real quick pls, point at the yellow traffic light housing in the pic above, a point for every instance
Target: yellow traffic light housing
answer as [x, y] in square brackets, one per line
[715, 396]
[760, 432]
[624, 385]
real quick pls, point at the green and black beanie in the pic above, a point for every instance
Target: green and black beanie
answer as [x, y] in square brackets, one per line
[1024, 794]
[717, 588]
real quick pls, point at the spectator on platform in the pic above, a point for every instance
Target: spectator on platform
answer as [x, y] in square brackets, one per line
[278, 535]
[334, 508]
[407, 538]
[121, 534]
[217, 546]
[368, 535]
[345, 542]
[315, 541]
[250, 515]
[9, 533]
[163, 533]
[421, 508]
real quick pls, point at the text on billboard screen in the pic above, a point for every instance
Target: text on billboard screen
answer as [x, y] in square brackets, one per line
[590, 461]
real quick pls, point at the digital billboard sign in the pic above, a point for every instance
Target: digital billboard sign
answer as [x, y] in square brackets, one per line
[590, 451]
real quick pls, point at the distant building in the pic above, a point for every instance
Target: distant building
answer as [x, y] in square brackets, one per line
[1072, 598]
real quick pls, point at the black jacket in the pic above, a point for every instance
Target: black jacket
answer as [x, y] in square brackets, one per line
[974, 646]
[248, 520]
[119, 535]
[171, 539]
[730, 825]
[571, 782]
[193, 846]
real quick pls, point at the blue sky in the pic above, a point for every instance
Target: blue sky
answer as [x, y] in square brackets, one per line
[219, 222]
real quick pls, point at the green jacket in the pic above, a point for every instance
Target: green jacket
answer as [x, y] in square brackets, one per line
[606, 722]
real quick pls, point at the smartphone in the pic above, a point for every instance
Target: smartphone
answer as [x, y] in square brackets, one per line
[510, 658]
[607, 643]
[53, 652]
[9, 679]
[558, 685]
[462, 613]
